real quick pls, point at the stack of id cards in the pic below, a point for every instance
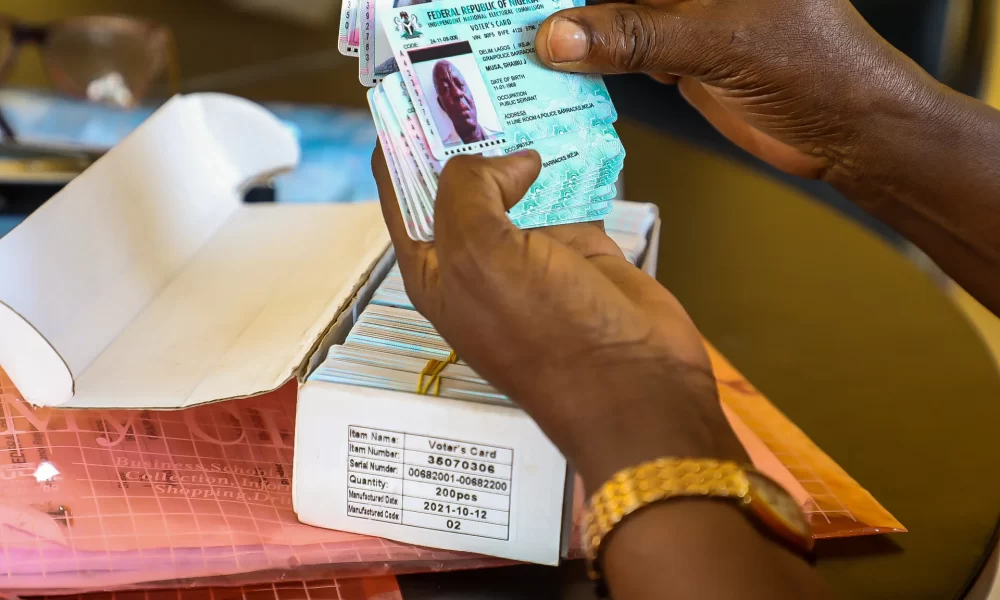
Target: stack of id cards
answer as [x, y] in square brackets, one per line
[453, 77]
[392, 346]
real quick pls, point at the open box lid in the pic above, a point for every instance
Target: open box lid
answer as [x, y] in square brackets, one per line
[148, 283]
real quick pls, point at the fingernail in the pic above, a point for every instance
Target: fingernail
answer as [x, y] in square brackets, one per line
[567, 42]
[521, 153]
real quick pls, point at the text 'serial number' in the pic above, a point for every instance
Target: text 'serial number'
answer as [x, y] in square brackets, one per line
[465, 465]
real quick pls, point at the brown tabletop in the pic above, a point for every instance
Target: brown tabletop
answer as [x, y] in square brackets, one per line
[858, 347]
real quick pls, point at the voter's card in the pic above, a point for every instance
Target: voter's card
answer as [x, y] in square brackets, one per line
[472, 74]
[348, 33]
[566, 159]
[394, 172]
[377, 59]
[366, 25]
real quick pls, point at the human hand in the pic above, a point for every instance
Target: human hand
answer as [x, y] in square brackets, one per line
[805, 85]
[597, 352]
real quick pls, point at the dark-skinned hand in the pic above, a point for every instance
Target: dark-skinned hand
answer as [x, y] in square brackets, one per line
[798, 83]
[596, 351]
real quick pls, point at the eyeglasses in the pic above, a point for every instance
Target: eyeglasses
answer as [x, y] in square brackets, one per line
[108, 59]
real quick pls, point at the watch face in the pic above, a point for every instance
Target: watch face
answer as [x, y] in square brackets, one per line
[778, 502]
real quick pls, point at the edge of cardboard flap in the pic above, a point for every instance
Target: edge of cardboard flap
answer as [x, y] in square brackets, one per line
[347, 315]
[29, 358]
[650, 260]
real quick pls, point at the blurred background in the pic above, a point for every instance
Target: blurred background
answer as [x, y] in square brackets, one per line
[283, 52]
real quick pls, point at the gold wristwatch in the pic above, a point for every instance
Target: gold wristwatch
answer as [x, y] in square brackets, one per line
[768, 504]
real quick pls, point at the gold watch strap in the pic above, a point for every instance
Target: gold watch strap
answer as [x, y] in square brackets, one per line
[636, 487]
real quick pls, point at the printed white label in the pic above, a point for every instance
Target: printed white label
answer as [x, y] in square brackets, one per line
[428, 482]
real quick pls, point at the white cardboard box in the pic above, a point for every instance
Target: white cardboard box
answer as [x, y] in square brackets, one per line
[453, 474]
[148, 283]
[430, 471]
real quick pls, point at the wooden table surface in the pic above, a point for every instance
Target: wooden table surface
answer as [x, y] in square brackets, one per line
[857, 346]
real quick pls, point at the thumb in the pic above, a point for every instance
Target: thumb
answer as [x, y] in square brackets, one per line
[474, 194]
[622, 38]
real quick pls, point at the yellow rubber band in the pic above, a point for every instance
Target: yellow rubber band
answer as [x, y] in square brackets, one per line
[423, 373]
[430, 376]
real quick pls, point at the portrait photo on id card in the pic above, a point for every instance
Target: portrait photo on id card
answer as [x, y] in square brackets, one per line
[456, 94]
